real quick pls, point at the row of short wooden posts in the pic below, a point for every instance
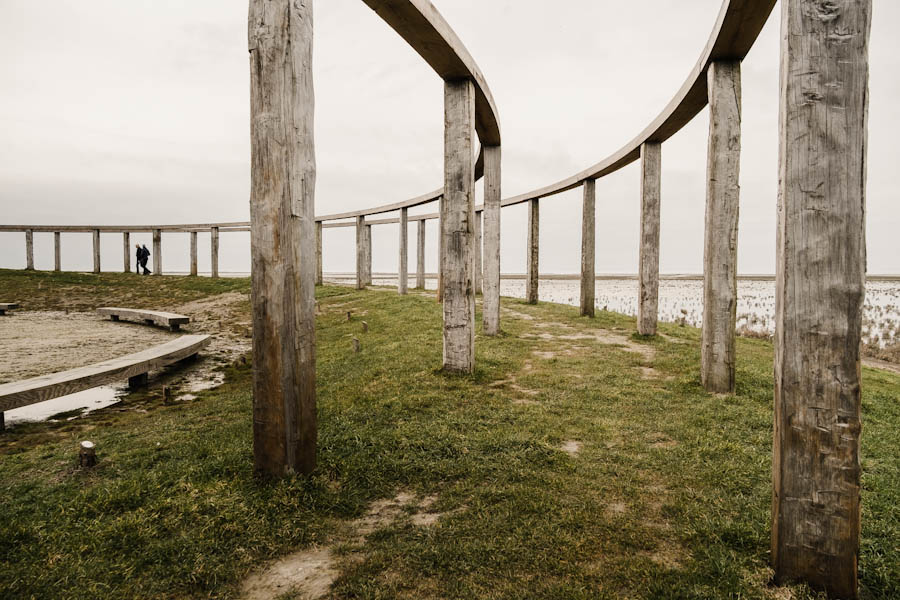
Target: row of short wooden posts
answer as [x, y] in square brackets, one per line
[128, 251]
[820, 266]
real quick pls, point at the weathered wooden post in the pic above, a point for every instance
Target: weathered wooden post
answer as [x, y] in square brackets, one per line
[368, 251]
[214, 251]
[29, 250]
[360, 252]
[648, 264]
[282, 226]
[440, 261]
[717, 359]
[96, 239]
[403, 268]
[588, 248]
[420, 255]
[491, 242]
[820, 286]
[457, 223]
[157, 252]
[319, 278]
[126, 252]
[532, 256]
[194, 253]
[57, 251]
[476, 255]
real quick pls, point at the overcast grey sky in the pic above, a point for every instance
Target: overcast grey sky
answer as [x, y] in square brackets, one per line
[121, 112]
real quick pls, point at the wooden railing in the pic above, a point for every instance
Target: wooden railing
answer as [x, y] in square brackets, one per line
[820, 263]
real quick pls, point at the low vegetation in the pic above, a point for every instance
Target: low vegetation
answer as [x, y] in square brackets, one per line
[579, 461]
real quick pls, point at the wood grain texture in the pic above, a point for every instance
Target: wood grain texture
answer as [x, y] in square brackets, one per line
[29, 250]
[648, 266]
[420, 255]
[717, 348]
[491, 241]
[157, 252]
[588, 248]
[46, 387]
[403, 266]
[157, 317]
[440, 248]
[458, 222]
[477, 255]
[282, 216]
[368, 250]
[532, 252]
[214, 252]
[360, 253]
[820, 287]
[193, 251]
[57, 251]
[126, 252]
[95, 238]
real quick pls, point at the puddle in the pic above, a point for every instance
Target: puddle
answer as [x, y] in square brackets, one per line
[85, 401]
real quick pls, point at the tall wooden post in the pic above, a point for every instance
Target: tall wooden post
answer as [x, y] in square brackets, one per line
[126, 252]
[360, 253]
[57, 251]
[283, 179]
[588, 248]
[717, 360]
[194, 253]
[368, 250]
[648, 265]
[477, 256]
[491, 242]
[403, 268]
[532, 257]
[458, 235]
[319, 278]
[214, 251]
[420, 255]
[440, 261]
[96, 239]
[820, 286]
[29, 250]
[157, 252]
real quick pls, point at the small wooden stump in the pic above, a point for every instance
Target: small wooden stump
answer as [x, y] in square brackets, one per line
[87, 456]
[349, 315]
[166, 394]
[356, 345]
[365, 327]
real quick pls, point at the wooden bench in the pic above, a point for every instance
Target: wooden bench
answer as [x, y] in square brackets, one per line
[133, 366]
[5, 306]
[152, 317]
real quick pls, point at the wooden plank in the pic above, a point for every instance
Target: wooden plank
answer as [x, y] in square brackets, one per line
[820, 287]
[96, 239]
[282, 215]
[532, 256]
[457, 225]
[588, 248]
[46, 387]
[403, 268]
[717, 348]
[157, 317]
[648, 266]
[29, 250]
[491, 241]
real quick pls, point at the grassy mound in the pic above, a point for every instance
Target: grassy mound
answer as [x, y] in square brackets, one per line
[579, 461]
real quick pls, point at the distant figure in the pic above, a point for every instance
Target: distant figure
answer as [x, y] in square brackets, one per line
[138, 255]
[144, 257]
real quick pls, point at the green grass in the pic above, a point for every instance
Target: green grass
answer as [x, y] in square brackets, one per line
[668, 498]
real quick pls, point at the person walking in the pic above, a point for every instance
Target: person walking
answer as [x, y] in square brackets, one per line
[145, 256]
[138, 255]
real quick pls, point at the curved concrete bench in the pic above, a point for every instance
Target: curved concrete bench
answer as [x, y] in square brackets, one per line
[133, 366]
[5, 306]
[153, 317]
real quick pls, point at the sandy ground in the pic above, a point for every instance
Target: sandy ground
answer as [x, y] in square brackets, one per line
[41, 342]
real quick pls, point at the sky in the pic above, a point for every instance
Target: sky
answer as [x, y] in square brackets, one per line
[137, 112]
